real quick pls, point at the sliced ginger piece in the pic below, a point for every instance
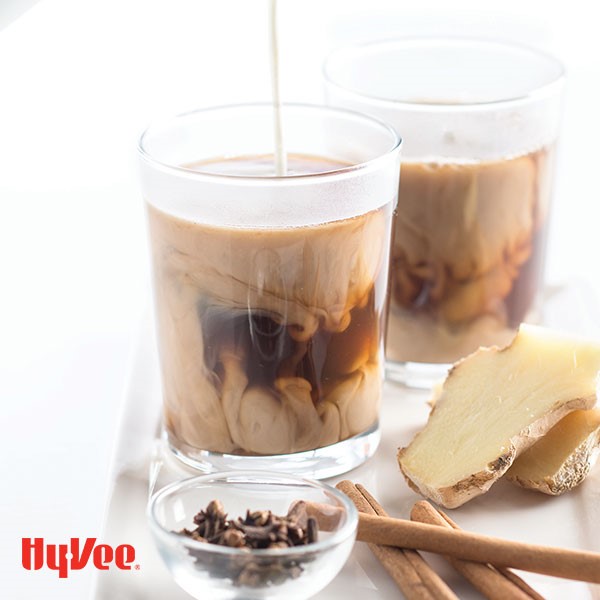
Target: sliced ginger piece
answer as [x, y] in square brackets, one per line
[494, 404]
[562, 459]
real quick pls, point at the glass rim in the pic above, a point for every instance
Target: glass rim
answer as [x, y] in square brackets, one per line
[339, 535]
[541, 91]
[395, 144]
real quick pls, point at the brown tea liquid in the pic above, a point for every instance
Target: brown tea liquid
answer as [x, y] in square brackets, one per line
[467, 254]
[270, 338]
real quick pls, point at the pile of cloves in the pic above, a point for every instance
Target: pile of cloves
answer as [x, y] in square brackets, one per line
[258, 530]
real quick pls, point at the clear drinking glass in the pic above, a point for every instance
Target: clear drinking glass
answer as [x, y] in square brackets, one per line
[270, 291]
[479, 122]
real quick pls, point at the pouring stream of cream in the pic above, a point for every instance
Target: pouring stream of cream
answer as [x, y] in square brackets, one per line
[280, 154]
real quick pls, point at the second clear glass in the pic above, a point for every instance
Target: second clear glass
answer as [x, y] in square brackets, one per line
[480, 122]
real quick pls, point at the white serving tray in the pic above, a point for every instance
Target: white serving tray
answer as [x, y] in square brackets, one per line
[141, 465]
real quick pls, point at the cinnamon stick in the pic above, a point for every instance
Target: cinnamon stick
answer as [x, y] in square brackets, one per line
[506, 572]
[558, 562]
[411, 573]
[519, 582]
[493, 584]
[431, 579]
[327, 516]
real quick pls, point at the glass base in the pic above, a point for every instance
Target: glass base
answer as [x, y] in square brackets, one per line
[321, 463]
[422, 376]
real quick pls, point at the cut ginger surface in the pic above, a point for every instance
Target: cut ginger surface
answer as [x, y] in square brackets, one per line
[495, 404]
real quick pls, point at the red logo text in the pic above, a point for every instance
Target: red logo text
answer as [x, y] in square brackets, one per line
[63, 558]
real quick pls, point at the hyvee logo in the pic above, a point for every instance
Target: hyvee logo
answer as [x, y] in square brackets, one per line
[64, 557]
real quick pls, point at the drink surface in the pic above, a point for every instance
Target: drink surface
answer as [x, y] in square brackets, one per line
[467, 254]
[264, 165]
[270, 339]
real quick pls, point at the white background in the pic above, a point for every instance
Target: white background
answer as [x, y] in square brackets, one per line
[78, 81]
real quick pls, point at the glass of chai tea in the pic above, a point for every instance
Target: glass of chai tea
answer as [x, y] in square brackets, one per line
[480, 122]
[270, 291]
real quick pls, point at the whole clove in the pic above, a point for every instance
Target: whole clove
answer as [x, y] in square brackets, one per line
[257, 530]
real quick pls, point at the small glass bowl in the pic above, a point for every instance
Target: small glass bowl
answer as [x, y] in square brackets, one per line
[212, 571]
